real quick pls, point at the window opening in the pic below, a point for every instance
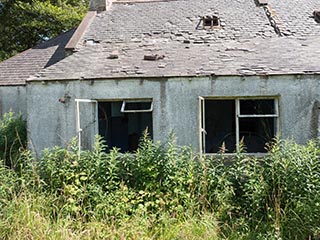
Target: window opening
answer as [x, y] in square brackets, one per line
[231, 121]
[210, 21]
[122, 123]
[220, 125]
[137, 106]
[257, 107]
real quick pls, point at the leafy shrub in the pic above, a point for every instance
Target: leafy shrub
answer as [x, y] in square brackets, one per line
[13, 138]
[277, 195]
[293, 179]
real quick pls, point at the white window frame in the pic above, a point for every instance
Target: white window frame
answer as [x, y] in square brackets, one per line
[202, 126]
[123, 107]
[78, 120]
[238, 115]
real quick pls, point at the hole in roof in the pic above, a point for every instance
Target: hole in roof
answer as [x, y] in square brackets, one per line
[210, 21]
[316, 15]
[91, 42]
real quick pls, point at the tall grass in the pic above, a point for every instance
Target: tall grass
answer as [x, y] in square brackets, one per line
[162, 192]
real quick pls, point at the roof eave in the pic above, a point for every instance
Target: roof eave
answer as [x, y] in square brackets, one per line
[171, 76]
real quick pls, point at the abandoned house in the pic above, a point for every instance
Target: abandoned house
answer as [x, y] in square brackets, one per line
[213, 72]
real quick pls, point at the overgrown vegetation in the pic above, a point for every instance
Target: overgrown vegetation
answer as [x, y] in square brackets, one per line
[162, 192]
[13, 138]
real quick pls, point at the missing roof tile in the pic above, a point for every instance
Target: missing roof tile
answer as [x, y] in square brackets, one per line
[91, 42]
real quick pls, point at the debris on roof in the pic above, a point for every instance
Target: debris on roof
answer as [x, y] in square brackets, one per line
[153, 57]
[273, 56]
[114, 55]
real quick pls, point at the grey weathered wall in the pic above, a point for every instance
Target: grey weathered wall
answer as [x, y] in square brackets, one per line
[13, 98]
[175, 104]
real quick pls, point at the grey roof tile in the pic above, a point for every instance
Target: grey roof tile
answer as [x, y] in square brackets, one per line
[17, 69]
[178, 21]
[294, 17]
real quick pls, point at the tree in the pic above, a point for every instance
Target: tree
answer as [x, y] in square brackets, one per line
[25, 23]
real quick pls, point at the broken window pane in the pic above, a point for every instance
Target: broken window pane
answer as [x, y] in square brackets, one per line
[120, 129]
[257, 107]
[137, 106]
[256, 123]
[210, 21]
[220, 125]
[256, 132]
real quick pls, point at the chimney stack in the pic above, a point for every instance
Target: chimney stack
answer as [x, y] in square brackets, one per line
[100, 5]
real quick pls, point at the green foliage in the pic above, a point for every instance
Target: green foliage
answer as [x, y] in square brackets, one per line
[13, 138]
[163, 192]
[294, 189]
[25, 23]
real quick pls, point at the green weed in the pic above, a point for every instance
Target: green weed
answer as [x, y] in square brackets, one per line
[163, 191]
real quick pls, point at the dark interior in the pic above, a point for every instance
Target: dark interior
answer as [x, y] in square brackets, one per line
[122, 130]
[254, 132]
[257, 106]
[137, 106]
[220, 125]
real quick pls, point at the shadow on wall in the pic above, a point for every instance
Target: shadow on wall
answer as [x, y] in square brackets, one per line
[314, 125]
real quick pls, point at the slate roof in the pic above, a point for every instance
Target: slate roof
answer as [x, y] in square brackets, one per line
[16, 70]
[246, 57]
[294, 17]
[178, 21]
[247, 42]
